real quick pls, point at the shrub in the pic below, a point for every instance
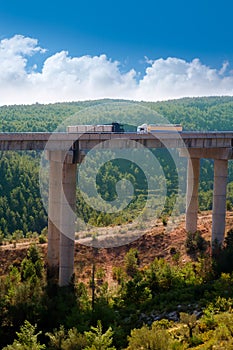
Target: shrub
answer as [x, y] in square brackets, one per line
[32, 266]
[155, 338]
[223, 261]
[119, 274]
[42, 239]
[131, 262]
[97, 340]
[71, 340]
[195, 243]
[27, 339]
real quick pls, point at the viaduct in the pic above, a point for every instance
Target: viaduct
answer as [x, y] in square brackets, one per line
[65, 150]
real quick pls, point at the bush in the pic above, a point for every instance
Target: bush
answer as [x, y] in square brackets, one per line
[32, 266]
[96, 339]
[42, 239]
[71, 340]
[27, 339]
[223, 256]
[155, 338]
[119, 274]
[195, 243]
[131, 262]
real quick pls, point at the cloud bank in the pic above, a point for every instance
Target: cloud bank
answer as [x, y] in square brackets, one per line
[65, 78]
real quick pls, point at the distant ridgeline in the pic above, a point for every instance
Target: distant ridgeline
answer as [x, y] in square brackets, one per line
[206, 113]
[20, 204]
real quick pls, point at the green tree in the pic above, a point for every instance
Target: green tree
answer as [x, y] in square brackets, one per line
[56, 338]
[97, 340]
[32, 265]
[74, 340]
[131, 262]
[27, 339]
[190, 321]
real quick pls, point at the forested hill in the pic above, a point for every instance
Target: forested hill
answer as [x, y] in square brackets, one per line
[21, 209]
[206, 113]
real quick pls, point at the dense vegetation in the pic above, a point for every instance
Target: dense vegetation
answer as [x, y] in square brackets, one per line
[21, 208]
[210, 113]
[159, 306]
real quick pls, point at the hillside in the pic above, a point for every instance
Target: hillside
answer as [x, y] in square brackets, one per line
[155, 243]
[205, 113]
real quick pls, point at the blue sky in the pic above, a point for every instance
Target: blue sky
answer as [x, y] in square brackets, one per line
[182, 41]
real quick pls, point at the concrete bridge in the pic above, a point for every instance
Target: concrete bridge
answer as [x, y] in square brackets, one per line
[65, 150]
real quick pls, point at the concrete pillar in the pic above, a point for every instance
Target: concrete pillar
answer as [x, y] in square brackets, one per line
[67, 223]
[55, 174]
[61, 216]
[192, 194]
[219, 200]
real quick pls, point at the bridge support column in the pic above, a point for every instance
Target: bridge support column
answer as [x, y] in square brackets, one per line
[67, 223]
[55, 175]
[192, 194]
[61, 213]
[219, 200]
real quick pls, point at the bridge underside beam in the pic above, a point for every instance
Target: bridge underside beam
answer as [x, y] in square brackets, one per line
[208, 153]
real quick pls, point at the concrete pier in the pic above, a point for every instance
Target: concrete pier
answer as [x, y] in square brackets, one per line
[67, 223]
[55, 176]
[192, 194]
[219, 200]
[61, 212]
[220, 156]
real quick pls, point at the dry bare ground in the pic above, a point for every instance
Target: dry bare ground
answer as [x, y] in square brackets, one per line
[155, 242]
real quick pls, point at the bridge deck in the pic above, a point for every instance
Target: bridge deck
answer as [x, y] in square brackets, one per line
[64, 140]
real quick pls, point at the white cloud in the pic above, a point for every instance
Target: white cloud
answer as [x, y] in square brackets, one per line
[174, 78]
[13, 61]
[65, 78]
[19, 44]
[82, 77]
